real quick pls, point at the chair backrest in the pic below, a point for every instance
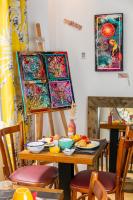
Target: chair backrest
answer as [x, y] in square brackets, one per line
[96, 189]
[124, 147]
[10, 138]
[129, 132]
[129, 136]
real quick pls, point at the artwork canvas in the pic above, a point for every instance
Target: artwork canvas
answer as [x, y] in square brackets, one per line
[33, 67]
[109, 42]
[57, 66]
[61, 93]
[45, 81]
[36, 96]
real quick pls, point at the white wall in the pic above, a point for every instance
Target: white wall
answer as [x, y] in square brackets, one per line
[59, 36]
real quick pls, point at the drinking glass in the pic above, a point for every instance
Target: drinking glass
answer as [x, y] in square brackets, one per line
[22, 194]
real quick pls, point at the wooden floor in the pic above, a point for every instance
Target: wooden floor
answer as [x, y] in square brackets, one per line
[127, 196]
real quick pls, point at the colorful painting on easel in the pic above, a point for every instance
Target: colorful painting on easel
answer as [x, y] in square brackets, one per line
[61, 93]
[45, 81]
[33, 67]
[109, 42]
[37, 96]
[57, 66]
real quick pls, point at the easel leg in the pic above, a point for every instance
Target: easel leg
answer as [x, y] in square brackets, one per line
[51, 123]
[38, 126]
[63, 118]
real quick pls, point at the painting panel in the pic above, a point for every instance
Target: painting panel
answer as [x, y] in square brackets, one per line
[109, 42]
[33, 67]
[61, 93]
[57, 66]
[36, 96]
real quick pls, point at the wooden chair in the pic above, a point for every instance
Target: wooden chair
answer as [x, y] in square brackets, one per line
[96, 189]
[34, 175]
[129, 161]
[111, 181]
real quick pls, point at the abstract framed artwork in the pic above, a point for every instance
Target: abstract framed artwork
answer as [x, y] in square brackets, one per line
[60, 93]
[45, 81]
[109, 42]
[57, 66]
[36, 96]
[33, 67]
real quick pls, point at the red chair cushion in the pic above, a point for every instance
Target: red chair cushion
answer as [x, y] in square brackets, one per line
[34, 174]
[82, 179]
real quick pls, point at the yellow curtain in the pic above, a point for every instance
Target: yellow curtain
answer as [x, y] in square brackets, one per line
[6, 68]
[13, 37]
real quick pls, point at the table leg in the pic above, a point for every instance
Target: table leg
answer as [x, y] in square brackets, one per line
[66, 173]
[114, 134]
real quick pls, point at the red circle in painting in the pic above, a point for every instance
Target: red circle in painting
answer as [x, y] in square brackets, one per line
[108, 30]
[119, 56]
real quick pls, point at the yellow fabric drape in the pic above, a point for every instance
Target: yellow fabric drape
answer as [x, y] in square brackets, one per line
[7, 91]
[13, 37]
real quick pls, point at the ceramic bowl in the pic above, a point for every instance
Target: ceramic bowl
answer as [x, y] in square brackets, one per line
[68, 152]
[65, 143]
[35, 147]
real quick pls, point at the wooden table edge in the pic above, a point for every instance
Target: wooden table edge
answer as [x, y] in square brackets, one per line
[39, 189]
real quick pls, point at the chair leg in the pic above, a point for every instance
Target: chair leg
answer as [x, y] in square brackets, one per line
[56, 184]
[76, 168]
[122, 195]
[73, 195]
[118, 194]
[102, 153]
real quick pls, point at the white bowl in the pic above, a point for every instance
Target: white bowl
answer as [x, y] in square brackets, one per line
[35, 147]
[68, 152]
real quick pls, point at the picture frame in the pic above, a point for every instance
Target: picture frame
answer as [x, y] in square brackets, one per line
[109, 42]
[60, 93]
[57, 66]
[45, 81]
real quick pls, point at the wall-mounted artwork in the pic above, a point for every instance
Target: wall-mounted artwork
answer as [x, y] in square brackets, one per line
[109, 42]
[45, 81]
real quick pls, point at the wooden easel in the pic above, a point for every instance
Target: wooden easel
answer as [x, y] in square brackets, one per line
[39, 117]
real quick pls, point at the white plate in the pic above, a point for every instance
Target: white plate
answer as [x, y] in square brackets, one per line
[91, 145]
[49, 144]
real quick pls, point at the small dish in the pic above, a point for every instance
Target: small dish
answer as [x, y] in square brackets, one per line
[35, 147]
[68, 152]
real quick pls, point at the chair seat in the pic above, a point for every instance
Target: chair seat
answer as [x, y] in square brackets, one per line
[82, 180]
[34, 174]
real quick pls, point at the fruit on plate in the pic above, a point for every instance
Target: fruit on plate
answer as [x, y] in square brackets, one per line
[81, 143]
[117, 122]
[84, 137]
[75, 137]
[54, 149]
[56, 137]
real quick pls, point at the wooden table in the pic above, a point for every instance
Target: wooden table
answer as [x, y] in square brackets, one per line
[114, 137]
[46, 193]
[65, 164]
